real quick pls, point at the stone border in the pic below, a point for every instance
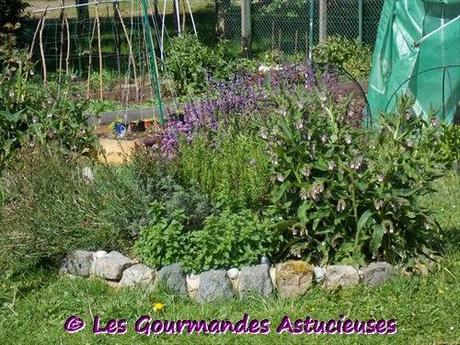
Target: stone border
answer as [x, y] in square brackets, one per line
[290, 279]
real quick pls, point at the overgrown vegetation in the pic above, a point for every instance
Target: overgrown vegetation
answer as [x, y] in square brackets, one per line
[48, 209]
[353, 195]
[351, 55]
[32, 115]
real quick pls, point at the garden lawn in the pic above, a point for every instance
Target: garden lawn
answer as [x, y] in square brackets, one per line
[426, 308]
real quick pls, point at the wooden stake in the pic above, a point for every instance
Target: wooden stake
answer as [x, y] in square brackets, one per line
[184, 13]
[295, 43]
[99, 47]
[130, 47]
[90, 61]
[322, 20]
[42, 51]
[37, 29]
[67, 58]
[273, 34]
[246, 31]
[61, 47]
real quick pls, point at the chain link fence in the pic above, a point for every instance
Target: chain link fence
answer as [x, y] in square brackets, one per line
[293, 26]
[83, 43]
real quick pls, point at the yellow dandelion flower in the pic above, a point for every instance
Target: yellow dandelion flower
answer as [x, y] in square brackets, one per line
[158, 307]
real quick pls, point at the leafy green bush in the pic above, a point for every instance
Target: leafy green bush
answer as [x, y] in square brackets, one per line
[32, 115]
[190, 63]
[226, 239]
[166, 241]
[232, 239]
[351, 55]
[229, 166]
[49, 210]
[353, 195]
[12, 11]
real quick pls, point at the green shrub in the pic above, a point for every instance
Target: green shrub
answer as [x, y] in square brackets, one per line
[232, 239]
[33, 115]
[190, 63]
[166, 241]
[226, 239]
[351, 55]
[49, 210]
[230, 166]
[12, 11]
[353, 195]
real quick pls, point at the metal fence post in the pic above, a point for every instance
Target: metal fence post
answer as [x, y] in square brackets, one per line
[322, 20]
[360, 20]
[310, 34]
[246, 32]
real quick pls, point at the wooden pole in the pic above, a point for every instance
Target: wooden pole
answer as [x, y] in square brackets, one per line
[67, 58]
[61, 48]
[90, 60]
[37, 30]
[322, 20]
[99, 47]
[246, 31]
[42, 50]
[130, 47]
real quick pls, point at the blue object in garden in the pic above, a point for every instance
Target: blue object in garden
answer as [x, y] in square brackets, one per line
[120, 130]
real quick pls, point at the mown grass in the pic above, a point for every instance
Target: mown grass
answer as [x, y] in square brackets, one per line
[426, 308]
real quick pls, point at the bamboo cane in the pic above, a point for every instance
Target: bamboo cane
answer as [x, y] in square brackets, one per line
[99, 47]
[130, 47]
[42, 51]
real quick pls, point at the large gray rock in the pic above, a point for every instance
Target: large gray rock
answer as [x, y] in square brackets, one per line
[255, 280]
[293, 278]
[173, 277]
[377, 273]
[111, 266]
[137, 275]
[78, 263]
[214, 285]
[340, 276]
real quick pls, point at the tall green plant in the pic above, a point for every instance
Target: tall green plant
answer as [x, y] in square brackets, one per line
[229, 166]
[352, 195]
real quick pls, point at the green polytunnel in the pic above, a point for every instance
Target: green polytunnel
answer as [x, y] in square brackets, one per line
[417, 53]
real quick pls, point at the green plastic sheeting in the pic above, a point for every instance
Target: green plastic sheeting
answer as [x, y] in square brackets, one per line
[417, 53]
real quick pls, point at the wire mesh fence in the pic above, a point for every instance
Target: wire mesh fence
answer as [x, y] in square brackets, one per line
[102, 43]
[294, 26]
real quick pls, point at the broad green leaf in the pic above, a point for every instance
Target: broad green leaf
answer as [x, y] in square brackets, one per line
[377, 237]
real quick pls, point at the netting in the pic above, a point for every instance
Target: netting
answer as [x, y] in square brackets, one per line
[82, 44]
[285, 25]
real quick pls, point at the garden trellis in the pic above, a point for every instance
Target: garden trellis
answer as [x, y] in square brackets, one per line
[111, 47]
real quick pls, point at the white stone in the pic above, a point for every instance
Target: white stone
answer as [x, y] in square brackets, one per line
[193, 282]
[273, 275]
[138, 275]
[87, 174]
[340, 276]
[319, 274]
[112, 265]
[233, 273]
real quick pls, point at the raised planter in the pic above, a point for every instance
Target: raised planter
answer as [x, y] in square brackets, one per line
[117, 151]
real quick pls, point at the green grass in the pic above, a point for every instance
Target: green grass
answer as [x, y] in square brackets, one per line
[426, 308]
